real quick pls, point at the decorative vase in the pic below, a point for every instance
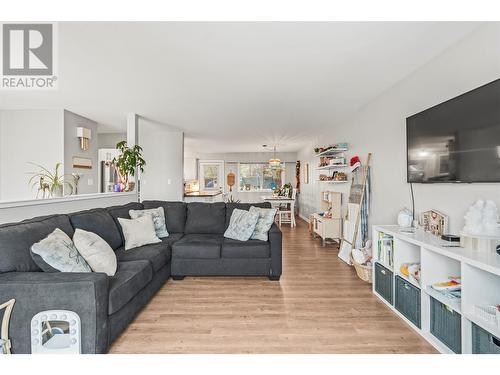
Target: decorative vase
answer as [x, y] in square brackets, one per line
[57, 192]
[130, 186]
[405, 218]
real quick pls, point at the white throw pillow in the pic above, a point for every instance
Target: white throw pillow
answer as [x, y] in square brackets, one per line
[158, 219]
[96, 252]
[138, 232]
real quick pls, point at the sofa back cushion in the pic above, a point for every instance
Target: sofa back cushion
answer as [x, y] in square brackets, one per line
[205, 218]
[100, 222]
[242, 206]
[175, 214]
[16, 240]
[122, 212]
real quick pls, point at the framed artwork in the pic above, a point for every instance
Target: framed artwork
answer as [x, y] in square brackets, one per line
[211, 174]
[434, 222]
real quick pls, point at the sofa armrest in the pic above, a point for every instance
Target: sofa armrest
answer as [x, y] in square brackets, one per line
[84, 293]
[275, 240]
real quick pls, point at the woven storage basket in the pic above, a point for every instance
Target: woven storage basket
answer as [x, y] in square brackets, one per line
[363, 272]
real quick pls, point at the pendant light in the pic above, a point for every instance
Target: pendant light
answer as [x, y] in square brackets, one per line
[274, 162]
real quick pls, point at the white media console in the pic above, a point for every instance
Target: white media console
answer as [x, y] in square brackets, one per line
[480, 274]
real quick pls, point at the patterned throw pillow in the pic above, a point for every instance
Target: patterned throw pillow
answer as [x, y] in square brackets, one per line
[241, 225]
[57, 252]
[158, 219]
[266, 220]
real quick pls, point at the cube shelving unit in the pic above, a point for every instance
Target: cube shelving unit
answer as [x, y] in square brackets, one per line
[450, 325]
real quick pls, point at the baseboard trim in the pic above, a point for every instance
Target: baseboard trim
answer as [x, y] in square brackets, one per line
[304, 218]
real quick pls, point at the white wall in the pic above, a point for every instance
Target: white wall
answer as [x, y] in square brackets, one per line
[109, 140]
[163, 147]
[380, 128]
[88, 183]
[28, 136]
[27, 210]
[231, 164]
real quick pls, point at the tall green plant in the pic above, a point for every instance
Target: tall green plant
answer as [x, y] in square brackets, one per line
[129, 161]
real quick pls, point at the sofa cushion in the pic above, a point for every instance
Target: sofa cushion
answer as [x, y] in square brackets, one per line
[205, 218]
[198, 246]
[122, 212]
[245, 249]
[100, 222]
[16, 240]
[157, 254]
[128, 280]
[175, 214]
[172, 238]
[242, 206]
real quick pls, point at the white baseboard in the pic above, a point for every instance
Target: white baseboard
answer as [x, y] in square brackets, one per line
[304, 218]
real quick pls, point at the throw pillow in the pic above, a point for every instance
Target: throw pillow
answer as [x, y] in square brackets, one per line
[138, 232]
[266, 220]
[241, 225]
[57, 253]
[96, 252]
[158, 219]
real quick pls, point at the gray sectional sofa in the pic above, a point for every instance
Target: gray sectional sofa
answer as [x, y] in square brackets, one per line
[106, 305]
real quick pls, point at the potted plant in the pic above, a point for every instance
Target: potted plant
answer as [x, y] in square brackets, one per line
[128, 162]
[49, 182]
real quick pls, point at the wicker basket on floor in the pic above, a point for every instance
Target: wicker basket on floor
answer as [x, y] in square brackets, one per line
[363, 272]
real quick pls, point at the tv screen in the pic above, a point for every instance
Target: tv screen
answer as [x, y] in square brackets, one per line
[458, 140]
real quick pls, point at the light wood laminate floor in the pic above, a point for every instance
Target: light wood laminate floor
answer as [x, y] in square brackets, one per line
[319, 306]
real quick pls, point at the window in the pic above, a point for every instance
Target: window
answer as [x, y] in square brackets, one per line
[259, 176]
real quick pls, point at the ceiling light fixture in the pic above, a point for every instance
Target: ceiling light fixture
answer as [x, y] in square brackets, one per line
[274, 162]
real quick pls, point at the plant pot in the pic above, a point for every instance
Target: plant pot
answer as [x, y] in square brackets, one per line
[57, 192]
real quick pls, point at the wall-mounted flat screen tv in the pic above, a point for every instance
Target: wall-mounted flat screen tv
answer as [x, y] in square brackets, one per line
[458, 140]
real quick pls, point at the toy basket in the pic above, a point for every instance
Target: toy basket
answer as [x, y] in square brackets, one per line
[363, 272]
[487, 313]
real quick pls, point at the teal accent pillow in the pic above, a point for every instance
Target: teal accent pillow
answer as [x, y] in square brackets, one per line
[241, 225]
[266, 220]
[57, 252]
[158, 215]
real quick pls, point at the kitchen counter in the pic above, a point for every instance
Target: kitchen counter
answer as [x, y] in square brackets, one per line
[204, 196]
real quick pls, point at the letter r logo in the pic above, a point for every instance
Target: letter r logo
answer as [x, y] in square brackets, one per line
[27, 49]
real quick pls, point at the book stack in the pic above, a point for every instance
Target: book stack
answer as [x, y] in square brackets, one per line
[385, 249]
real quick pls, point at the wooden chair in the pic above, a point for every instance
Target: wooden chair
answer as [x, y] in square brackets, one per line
[286, 211]
[4, 332]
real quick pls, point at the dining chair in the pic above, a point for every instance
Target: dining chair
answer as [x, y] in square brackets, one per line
[286, 211]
